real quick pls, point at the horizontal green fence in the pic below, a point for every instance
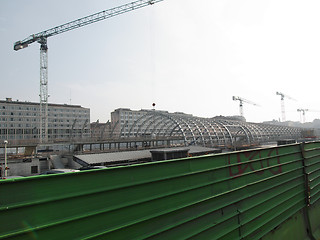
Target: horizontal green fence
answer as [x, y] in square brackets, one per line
[240, 195]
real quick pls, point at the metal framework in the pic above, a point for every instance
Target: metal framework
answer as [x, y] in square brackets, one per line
[283, 112]
[44, 94]
[41, 38]
[210, 132]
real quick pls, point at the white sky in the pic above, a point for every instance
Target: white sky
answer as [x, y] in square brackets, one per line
[184, 55]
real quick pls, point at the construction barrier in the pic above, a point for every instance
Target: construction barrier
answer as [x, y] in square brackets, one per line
[267, 193]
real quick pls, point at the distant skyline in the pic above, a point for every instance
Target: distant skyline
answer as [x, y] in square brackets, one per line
[185, 56]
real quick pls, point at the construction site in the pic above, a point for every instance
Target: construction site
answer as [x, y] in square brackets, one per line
[150, 173]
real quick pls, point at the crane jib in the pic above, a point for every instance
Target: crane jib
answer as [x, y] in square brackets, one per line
[82, 22]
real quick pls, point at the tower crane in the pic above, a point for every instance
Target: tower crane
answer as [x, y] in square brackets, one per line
[241, 101]
[41, 38]
[283, 114]
[303, 112]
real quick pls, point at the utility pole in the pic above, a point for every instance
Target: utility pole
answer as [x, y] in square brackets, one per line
[5, 159]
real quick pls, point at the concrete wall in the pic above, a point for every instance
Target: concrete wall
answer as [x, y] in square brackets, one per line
[23, 167]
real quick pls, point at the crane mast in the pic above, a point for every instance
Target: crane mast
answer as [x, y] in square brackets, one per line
[41, 38]
[283, 114]
[44, 94]
[303, 111]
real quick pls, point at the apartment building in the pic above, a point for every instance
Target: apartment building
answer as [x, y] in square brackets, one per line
[20, 121]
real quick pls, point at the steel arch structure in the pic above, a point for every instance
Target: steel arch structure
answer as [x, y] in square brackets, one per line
[209, 132]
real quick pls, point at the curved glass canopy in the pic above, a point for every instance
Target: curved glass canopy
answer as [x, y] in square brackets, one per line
[210, 132]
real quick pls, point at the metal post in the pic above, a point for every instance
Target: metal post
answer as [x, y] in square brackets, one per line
[5, 159]
[43, 90]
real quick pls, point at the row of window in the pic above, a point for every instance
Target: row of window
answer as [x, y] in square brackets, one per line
[36, 131]
[24, 108]
[28, 125]
[34, 120]
[37, 114]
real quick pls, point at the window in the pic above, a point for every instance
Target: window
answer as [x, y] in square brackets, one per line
[34, 169]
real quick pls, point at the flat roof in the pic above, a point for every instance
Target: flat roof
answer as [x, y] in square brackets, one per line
[114, 156]
[162, 150]
[37, 104]
[111, 157]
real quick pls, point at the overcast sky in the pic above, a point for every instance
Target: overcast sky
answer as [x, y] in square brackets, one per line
[184, 55]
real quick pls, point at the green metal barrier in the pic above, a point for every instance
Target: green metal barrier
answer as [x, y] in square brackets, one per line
[269, 193]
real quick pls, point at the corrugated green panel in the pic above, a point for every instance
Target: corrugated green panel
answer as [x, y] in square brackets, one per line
[312, 162]
[292, 228]
[240, 195]
[314, 214]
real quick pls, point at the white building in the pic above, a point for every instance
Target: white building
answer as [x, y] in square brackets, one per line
[20, 121]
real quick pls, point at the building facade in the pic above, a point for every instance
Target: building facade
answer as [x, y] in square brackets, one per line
[122, 120]
[20, 121]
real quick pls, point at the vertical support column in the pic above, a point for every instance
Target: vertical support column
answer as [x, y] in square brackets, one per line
[43, 90]
[5, 159]
[307, 193]
[283, 112]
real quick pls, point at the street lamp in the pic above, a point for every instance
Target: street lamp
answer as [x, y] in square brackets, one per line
[5, 159]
